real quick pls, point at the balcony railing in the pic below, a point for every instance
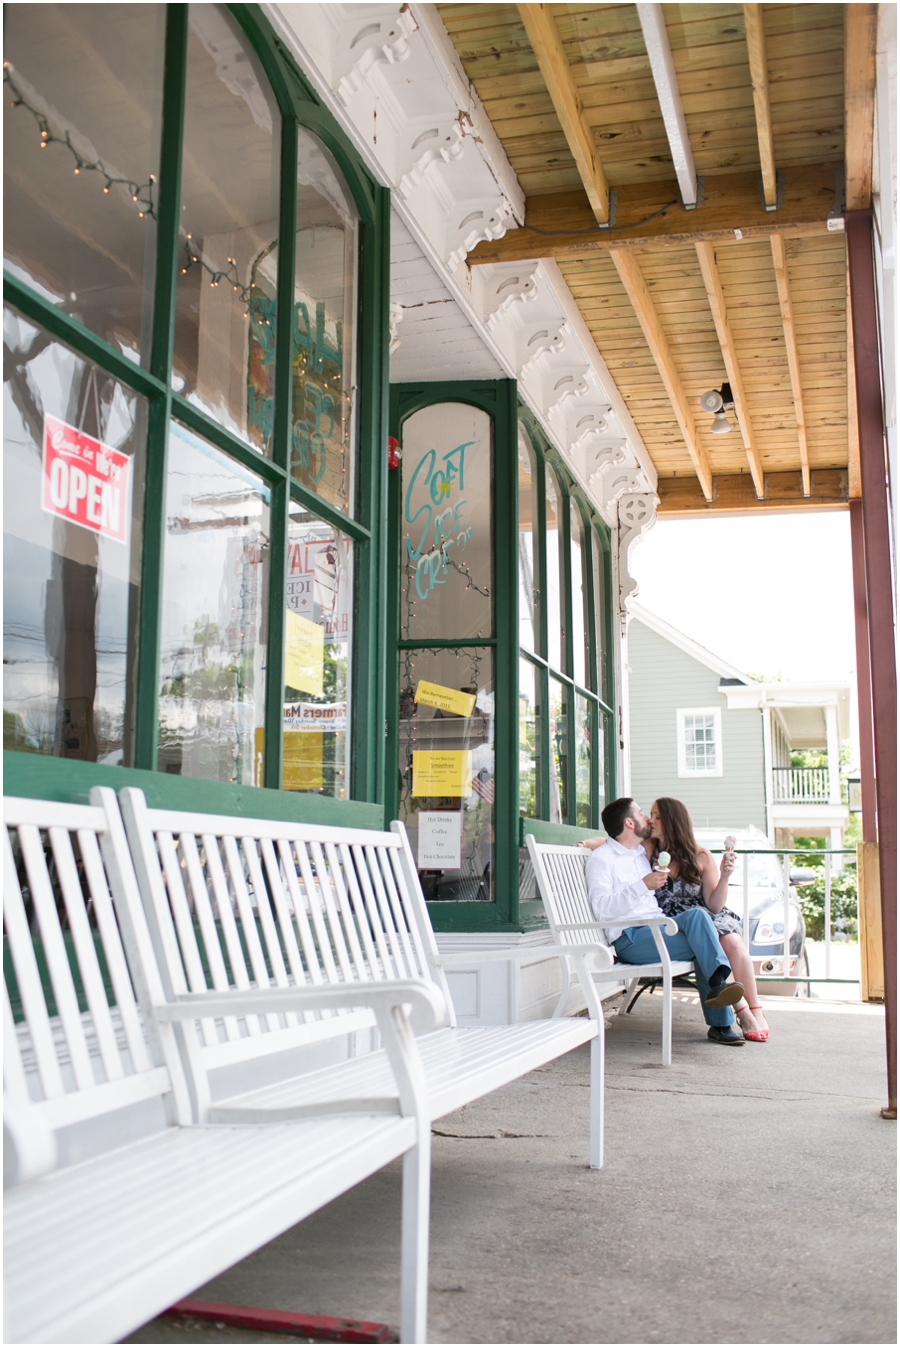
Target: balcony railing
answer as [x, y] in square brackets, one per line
[800, 785]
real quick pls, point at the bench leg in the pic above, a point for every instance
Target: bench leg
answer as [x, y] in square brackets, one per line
[632, 992]
[414, 1241]
[667, 1015]
[598, 1069]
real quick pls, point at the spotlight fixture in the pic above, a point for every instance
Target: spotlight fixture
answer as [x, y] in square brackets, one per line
[716, 400]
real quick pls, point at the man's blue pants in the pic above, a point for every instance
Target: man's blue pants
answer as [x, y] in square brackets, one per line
[697, 940]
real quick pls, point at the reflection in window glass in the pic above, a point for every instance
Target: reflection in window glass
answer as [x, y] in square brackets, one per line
[582, 762]
[225, 307]
[529, 740]
[601, 611]
[317, 657]
[603, 741]
[324, 344]
[447, 771]
[91, 77]
[576, 534]
[73, 459]
[446, 516]
[556, 637]
[529, 629]
[213, 645]
[559, 752]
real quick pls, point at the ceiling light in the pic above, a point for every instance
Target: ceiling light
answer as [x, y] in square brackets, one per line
[716, 400]
[721, 425]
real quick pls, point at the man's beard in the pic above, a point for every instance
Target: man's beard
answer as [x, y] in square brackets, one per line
[643, 830]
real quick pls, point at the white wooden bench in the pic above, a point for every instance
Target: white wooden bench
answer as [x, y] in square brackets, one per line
[559, 871]
[300, 902]
[271, 950]
[120, 1204]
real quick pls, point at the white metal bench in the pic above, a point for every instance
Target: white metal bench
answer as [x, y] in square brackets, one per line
[120, 1204]
[300, 902]
[560, 875]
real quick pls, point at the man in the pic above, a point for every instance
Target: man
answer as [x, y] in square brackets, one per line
[621, 883]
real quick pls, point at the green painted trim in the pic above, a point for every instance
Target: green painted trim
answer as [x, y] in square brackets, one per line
[263, 41]
[146, 738]
[37, 777]
[86, 343]
[563, 834]
[213, 431]
[281, 451]
[323, 510]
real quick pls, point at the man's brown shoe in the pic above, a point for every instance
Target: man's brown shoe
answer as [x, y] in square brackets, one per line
[727, 995]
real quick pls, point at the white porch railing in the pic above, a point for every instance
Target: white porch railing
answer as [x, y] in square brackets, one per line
[802, 785]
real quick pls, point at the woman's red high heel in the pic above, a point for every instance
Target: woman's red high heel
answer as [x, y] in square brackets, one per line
[755, 1035]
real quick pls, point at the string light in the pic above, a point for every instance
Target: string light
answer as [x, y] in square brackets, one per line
[141, 193]
[230, 274]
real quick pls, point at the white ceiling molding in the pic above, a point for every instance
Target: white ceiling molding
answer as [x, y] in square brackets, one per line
[390, 75]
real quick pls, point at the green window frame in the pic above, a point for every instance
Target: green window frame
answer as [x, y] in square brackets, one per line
[299, 108]
[599, 638]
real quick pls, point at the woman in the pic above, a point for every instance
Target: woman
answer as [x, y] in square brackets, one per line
[694, 881]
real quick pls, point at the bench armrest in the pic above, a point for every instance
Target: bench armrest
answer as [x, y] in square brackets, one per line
[424, 999]
[622, 923]
[532, 952]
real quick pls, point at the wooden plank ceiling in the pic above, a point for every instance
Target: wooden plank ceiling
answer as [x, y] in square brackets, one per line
[690, 299]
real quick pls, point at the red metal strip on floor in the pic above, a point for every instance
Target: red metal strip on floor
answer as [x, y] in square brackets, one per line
[283, 1321]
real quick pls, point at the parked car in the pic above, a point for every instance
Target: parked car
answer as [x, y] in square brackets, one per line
[765, 883]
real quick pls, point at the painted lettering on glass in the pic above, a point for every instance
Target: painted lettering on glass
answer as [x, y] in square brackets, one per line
[442, 529]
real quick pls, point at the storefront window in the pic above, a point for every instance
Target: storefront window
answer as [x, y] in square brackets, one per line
[446, 535]
[556, 641]
[583, 737]
[559, 751]
[324, 346]
[225, 318]
[213, 644]
[576, 535]
[83, 89]
[319, 624]
[529, 740]
[447, 788]
[601, 619]
[74, 461]
[529, 547]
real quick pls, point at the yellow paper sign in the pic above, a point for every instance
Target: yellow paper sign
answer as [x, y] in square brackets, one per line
[442, 774]
[302, 768]
[304, 655]
[445, 699]
[302, 761]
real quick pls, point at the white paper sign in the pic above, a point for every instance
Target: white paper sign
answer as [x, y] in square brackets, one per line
[440, 840]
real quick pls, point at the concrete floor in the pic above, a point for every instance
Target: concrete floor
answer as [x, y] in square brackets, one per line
[748, 1196]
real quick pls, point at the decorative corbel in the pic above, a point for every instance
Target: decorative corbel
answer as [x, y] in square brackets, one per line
[636, 514]
[379, 37]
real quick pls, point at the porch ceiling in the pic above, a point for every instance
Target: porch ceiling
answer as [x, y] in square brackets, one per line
[730, 291]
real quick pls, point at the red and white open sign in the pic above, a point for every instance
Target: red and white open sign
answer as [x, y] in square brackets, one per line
[84, 480]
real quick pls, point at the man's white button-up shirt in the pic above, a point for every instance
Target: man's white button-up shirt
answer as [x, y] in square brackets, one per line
[615, 881]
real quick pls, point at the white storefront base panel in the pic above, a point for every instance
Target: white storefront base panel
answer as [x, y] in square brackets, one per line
[512, 992]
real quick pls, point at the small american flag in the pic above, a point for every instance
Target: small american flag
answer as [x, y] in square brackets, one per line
[483, 786]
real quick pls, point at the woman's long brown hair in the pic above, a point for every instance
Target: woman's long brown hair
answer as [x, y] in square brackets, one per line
[678, 838]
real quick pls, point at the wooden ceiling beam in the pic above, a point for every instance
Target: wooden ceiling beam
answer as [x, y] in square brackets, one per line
[733, 493]
[759, 76]
[547, 45]
[779, 259]
[638, 292]
[860, 36]
[562, 225]
[706, 255]
[662, 64]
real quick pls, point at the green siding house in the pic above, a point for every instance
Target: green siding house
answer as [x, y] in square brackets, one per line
[685, 741]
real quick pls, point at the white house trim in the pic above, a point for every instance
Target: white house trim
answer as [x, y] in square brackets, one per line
[715, 713]
[695, 650]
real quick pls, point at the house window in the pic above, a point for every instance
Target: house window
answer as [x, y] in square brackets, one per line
[700, 741]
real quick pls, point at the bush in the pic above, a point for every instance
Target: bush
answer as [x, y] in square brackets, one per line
[843, 901]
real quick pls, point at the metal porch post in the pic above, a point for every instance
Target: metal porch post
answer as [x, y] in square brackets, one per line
[879, 599]
[863, 675]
